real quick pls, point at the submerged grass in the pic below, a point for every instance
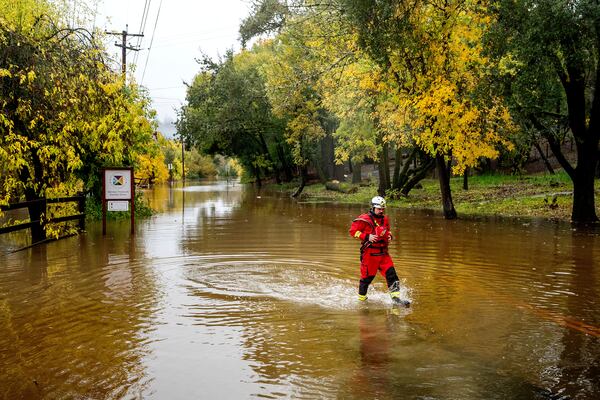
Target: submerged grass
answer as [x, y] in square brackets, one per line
[540, 195]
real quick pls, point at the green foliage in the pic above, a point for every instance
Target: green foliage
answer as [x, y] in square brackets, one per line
[64, 113]
[199, 165]
[227, 167]
[547, 55]
[93, 209]
[265, 17]
[229, 113]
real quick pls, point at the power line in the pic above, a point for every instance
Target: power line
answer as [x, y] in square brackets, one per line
[142, 29]
[168, 87]
[198, 40]
[151, 41]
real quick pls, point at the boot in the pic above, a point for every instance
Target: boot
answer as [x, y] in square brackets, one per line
[395, 295]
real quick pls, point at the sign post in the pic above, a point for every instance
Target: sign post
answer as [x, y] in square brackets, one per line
[118, 192]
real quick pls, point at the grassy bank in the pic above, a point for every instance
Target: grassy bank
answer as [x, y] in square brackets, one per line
[543, 195]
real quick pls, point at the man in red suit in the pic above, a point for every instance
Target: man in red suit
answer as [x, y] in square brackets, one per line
[373, 230]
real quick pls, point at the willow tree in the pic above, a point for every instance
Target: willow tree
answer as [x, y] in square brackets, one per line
[63, 112]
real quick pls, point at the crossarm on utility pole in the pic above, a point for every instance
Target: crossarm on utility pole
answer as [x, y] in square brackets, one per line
[124, 47]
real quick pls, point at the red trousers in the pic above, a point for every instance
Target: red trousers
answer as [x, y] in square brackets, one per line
[373, 260]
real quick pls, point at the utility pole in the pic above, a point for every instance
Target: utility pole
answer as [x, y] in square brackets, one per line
[183, 161]
[124, 47]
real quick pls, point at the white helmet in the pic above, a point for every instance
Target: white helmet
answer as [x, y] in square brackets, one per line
[378, 202]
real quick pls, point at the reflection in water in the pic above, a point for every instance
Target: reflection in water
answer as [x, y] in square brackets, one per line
[227, 294]
[74, 322]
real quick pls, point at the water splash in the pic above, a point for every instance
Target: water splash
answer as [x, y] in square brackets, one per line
[300, 281]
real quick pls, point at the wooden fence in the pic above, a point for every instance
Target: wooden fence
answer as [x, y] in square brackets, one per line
[37, 226]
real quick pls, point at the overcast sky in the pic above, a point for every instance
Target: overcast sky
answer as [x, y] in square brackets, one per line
[184, 29]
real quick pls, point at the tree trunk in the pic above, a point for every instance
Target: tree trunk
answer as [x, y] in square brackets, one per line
[402, 177]
[285, 166]
[257, 175]
[386, 164]
[327, 164]
[397, 167]
[37, 210]
[382, 186]
[586, 137]
[303, 179]
[338, 172]
[584, 209]
[544, 158]
[267, 153]
[466, 179]
[357, 173]
[444, 179]
[418, 175]
[383, 166]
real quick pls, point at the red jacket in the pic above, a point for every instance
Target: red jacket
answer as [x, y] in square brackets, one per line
[368, 223]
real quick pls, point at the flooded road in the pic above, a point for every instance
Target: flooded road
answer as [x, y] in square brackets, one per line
[226, 293]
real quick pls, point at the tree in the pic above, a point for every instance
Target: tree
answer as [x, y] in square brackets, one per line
[228, 113]
[433, 56]
[548, 52]
[63, 112]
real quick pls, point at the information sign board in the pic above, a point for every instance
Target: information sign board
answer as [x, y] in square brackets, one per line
[118, 192]
[117, 184]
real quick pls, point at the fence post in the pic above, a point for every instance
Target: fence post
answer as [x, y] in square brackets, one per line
[81, 208]
[37, 209]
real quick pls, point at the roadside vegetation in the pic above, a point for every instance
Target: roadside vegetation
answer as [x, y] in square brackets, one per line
[533, 196]
[66, 113]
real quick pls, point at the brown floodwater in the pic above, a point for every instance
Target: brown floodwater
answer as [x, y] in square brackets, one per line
[233, 294]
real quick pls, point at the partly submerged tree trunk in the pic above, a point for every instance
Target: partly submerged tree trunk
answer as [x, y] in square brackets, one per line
[584, 208]
[444, 179]
[303, 179]
[37, 209]
[586, 131]
[257, 176]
